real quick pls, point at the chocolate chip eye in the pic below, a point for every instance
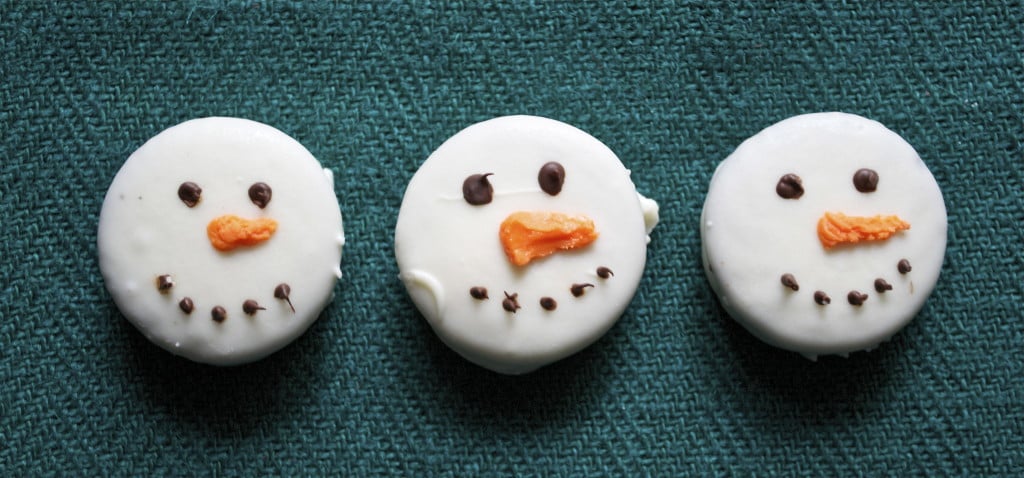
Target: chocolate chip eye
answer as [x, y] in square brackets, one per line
[189, 193]
[259, 194]
[789, 187]
[477, 190]
[865, 180]
[551, 177]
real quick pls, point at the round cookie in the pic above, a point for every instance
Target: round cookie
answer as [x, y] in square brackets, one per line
[220, 239]
[823, 234]
[521, 240]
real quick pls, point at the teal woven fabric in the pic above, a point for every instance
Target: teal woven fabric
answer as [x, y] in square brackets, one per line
[371, 88]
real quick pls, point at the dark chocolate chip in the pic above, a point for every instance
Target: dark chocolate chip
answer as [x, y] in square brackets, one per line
[477, 190]
[789, 187]
[865, 180]
[283, 292]
[164, 283]
[903, 266]
[189, 193]
[856, 298]
[186, 305]
[789, 281]
[551, 177]
[822, 298]
[604, 272]
[259, 194]
[251, 306]
[478, 293]
[511, 302]
[219, 314]
[578, 289]
[881, 285]
[548, 303]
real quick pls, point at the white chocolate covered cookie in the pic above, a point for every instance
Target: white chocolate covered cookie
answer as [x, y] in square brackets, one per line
[823, 234]
[522, 240]
[220, 239]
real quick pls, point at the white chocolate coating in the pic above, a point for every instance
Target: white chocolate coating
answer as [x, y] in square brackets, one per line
[444, 246]
[751, 236]
[145, 231]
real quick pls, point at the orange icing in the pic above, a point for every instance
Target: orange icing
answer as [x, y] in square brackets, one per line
[526, 236]
[228, 232]
[836, 228]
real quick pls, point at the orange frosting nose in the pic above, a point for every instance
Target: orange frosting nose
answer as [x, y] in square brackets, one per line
[228, 232]
[526, 236]
[836, 228]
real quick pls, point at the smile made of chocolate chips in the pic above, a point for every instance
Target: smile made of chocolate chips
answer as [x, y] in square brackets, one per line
[855, 297]
[511, 301]
[219, 314]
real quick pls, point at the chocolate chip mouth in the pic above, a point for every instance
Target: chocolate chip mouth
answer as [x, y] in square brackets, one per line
[511, 303]
[855, 297]
[165, 284]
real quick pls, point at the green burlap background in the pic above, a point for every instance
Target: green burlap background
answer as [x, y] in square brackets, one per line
[371, 89]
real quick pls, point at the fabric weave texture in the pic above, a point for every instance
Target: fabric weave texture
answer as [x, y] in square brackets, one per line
[371, 88]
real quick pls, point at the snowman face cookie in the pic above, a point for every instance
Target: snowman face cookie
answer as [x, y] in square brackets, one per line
[521, 240]
[823, 234]
[220, 240]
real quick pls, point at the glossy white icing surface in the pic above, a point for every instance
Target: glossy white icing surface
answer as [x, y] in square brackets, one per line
[751, 236]
[444, 246]
[146, 231]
